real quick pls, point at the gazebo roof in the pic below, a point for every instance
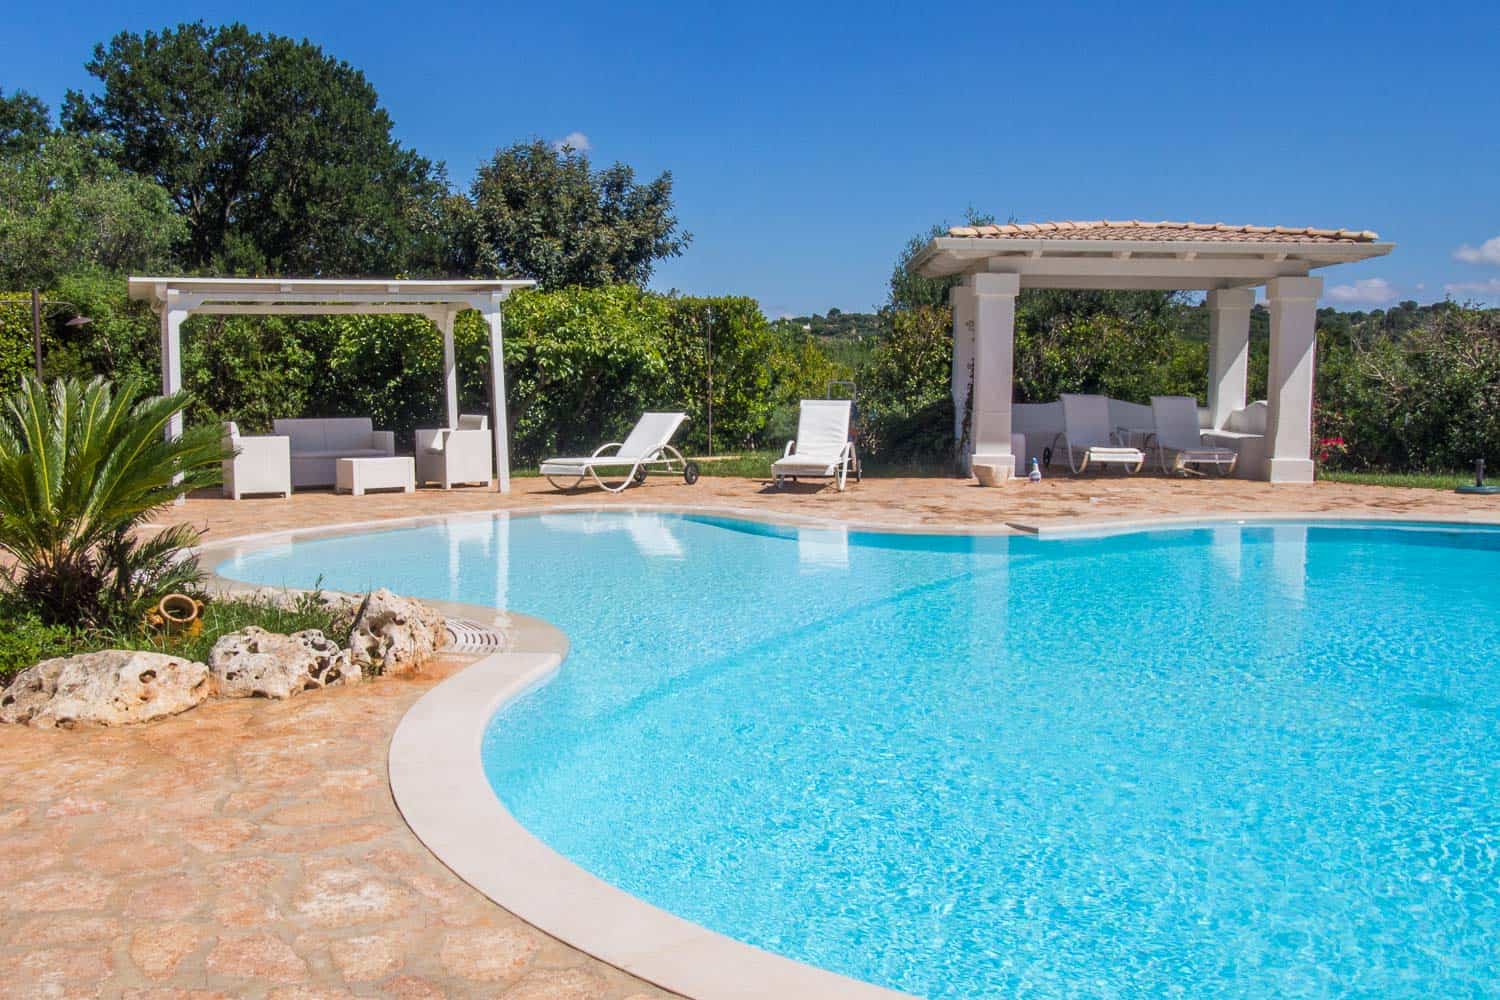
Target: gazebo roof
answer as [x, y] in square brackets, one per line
[320, 295]
[1165, 232]
[1137, 254]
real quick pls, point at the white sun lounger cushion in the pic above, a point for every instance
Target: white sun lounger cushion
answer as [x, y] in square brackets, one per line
[1129, 456]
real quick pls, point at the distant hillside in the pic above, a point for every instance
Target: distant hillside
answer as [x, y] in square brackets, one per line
[838, 324]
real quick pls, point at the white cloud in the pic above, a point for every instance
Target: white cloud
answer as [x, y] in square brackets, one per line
[575, 141]
[1474, 289]
[1364, 292]
[1487, 252]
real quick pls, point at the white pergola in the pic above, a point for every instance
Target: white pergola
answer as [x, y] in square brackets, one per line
[175, 299]
[1227, 262]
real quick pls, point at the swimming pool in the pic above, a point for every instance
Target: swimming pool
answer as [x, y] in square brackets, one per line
[1238, 760]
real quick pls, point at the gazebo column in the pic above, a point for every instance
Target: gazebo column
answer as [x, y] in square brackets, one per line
[1228, 351]
[491, 311]
[994, 300]
[444, 322]
[1294, 315]
[173, 312]
[961, 302]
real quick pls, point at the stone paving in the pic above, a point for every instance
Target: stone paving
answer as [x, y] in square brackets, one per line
[251, 848]
[911, 502]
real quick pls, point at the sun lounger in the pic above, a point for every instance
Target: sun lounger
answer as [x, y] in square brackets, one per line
[647, 446]
[1178, 438]
[821, 449]
[1087, 439]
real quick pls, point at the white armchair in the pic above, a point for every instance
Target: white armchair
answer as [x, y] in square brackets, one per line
[259, 464]
[461, 454]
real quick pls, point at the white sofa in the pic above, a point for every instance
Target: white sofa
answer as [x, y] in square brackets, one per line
[461, 454]
[259, 464]
[317, 444]
[1245, 432]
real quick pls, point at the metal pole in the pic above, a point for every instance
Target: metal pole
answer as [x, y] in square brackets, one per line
[710, 313]
[36, 330]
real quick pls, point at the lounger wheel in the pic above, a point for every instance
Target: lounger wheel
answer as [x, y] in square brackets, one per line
[639, 478]
[690, 473]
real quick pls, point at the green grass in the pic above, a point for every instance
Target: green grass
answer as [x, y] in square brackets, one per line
[1409, 480]
[25, 641]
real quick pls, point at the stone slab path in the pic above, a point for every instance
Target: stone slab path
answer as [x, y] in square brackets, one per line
[249, 848]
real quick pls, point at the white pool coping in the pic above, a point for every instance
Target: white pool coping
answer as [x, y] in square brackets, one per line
[439, 784]
[438, 781]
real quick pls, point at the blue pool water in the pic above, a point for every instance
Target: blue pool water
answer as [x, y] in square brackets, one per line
[1241, 761]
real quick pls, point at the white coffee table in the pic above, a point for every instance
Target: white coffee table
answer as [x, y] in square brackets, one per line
[359, 475]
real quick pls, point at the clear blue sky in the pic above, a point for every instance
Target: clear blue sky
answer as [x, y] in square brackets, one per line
[809, 141]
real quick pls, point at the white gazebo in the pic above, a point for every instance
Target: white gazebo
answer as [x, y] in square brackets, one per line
[175, 299]
[1228, 262]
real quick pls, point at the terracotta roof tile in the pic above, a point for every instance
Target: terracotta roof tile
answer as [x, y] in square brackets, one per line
[1164, 232]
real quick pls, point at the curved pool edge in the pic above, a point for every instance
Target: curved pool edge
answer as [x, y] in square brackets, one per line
[439, 785]
[438, 781]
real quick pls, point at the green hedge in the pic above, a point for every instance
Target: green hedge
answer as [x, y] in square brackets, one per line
[581, 364]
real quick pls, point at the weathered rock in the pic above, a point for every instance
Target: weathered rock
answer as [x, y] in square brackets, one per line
[255, 663]
[396, 635]
[113, 687]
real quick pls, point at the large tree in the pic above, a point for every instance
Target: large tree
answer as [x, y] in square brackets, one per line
[542, 212]
[279, 156]
[65, 206]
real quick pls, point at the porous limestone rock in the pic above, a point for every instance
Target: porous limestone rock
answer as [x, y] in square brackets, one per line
[395, 635]
[255, 663]
[113, 687]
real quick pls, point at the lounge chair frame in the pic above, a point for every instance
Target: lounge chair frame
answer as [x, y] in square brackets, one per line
[1115, 452]
[666, 458]
[839, 470]
[1176, 459]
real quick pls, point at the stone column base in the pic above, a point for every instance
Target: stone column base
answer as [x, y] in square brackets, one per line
[990, 472]
[1290, 470]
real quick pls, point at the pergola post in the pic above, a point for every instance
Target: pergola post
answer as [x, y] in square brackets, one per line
[1289, 390]
[172, 315]
[1228, 351]
[491, 311]
[994, 299]
[173, 312]
[961, 302]
[450, 366]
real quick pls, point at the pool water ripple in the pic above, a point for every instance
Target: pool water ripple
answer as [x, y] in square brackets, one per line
[1238, 760]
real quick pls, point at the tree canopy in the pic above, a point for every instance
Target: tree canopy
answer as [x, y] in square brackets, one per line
[24, 123]
[66, 206]
[542, 212]
[279, 157]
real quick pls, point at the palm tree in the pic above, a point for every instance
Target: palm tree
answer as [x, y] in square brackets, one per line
[82, 467]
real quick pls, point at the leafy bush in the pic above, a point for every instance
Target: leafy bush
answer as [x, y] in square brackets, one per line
[25, 640]
[906, 400]
[1428, 401]
[1108, 354]
[81, 469]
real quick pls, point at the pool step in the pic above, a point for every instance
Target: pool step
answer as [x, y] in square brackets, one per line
[465, 636]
